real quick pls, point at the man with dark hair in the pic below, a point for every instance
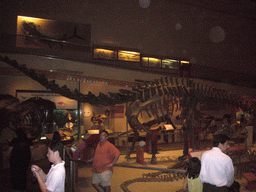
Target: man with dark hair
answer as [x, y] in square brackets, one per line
[20, 159]
[225, 127]
[106, 155]
[54, 181]
[217, 170]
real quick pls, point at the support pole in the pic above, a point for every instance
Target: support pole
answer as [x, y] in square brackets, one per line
[192, 130]
[72, 189]
[78, 115]
[127, 138]
[64, 154]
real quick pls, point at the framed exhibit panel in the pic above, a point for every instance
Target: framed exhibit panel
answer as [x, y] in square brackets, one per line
[61, 102]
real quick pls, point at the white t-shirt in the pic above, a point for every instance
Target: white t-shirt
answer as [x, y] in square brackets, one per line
[217, 168]
[55, 179]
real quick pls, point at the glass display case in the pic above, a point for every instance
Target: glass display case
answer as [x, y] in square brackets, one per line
[170, 64]
[99, 53]
[151, 62]
[128, 56]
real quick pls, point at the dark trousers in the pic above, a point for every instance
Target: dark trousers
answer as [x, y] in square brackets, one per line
[235, 187]
[19, 169]
[212, 188]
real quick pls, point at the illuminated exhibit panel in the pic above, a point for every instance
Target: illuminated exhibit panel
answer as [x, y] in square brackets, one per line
[151, 62]
[161, 63]
[128, 56]
[115, 54]
[170, 64]
[99, 53]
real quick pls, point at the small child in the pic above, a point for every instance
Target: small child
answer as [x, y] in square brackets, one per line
[192, 182]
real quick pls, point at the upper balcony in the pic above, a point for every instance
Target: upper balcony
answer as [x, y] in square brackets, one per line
[79, 48]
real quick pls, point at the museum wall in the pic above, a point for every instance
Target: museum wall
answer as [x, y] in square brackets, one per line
[80, 68]
[214, 34]
[9, 84]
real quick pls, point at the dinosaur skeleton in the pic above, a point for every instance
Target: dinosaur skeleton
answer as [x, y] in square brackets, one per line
[37, 115]
[33, 35]
[132, 113]
[34, 115]
[158, 98]
[243, 165]
[154, 177]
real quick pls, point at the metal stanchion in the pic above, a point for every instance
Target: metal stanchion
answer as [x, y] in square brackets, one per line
[71, 168]
[72, 187]
[64, 154]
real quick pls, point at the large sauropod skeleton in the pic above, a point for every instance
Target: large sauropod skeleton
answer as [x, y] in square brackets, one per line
[153, 98]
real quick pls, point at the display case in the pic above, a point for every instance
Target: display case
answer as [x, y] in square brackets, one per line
[100, 53]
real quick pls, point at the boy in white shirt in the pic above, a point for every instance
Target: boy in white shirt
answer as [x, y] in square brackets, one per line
[54, 181]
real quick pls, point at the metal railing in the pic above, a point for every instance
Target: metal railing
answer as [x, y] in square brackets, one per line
[66, 152]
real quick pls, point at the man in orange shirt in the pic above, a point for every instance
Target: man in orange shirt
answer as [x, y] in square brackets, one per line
[106, 155]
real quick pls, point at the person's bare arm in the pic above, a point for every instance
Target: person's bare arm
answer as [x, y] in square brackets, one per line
[41, 177]
[90, 160]
[113, 162]
[41, 184]
[185, 184]
[38, 171]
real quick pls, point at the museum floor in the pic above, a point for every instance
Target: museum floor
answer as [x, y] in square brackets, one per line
[167, 157]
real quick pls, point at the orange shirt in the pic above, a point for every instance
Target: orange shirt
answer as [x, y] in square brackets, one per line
[104, 155]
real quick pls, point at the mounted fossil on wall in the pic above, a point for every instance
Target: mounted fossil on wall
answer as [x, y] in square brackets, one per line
[51, 34]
